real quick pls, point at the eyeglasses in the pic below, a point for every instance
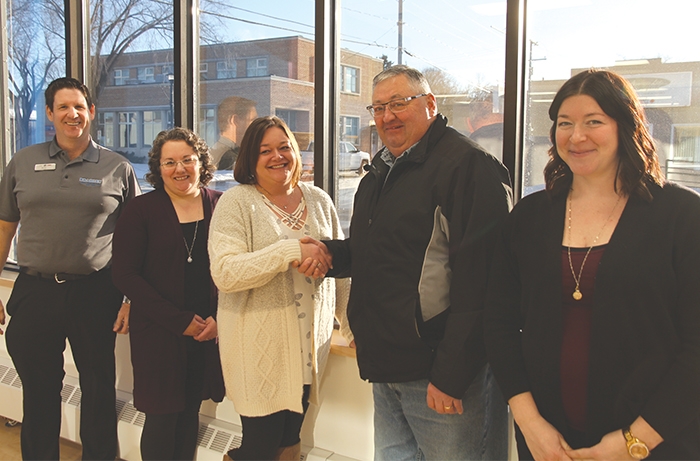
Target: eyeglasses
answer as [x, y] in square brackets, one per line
[395, 105]
[186, 162]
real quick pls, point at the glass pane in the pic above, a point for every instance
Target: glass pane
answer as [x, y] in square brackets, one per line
[659, 65]
[255, 59]
[131, 75]
[459, 45]
[36, 49]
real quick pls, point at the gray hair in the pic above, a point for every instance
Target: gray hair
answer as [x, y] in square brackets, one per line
[414, 76]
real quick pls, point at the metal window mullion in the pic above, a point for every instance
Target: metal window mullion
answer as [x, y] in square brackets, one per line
[514, 100]
[186, 54]
[77, 38]
[325, 92]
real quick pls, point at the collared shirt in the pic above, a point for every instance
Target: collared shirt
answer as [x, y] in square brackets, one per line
[67, 209]
[388, 158]
[219, 152]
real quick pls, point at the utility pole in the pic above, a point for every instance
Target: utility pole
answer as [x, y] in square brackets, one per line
[400, 24]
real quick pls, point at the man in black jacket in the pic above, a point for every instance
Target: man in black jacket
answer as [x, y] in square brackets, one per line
[420, 245]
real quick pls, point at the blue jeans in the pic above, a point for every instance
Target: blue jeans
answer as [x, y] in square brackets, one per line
[405, 429]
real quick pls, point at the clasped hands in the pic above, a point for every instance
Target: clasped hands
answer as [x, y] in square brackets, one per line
[316, 260]
[202, 330]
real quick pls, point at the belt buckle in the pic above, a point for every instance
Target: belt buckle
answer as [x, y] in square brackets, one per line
[55, 277]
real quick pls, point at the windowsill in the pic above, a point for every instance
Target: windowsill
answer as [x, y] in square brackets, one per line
[7, 278]
[339, 346]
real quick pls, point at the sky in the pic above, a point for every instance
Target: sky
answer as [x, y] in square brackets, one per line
[466, 38]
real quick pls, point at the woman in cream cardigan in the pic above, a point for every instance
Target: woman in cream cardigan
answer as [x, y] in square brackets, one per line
[275, 323]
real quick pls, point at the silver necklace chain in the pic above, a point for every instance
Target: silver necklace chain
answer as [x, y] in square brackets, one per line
[194, 239]
[577, 295]
[294, 219]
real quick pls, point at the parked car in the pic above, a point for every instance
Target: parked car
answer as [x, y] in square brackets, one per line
[350, 158]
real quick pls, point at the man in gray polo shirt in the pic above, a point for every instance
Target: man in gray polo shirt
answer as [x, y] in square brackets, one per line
[66, 195]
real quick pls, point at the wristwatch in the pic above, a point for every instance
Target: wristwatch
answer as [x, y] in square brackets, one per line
[635, 447]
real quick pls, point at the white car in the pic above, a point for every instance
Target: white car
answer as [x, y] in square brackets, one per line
[349, 158]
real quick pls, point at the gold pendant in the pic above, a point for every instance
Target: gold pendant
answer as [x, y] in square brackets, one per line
[577, 295]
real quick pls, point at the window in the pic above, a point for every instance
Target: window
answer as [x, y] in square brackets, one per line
[121, 76]
[207, 125]
[152, 125]
[256, 67]
[686, 143]
[136, 106]
[225, 69]
[448, 57]
[348, 79]
[203, 70]
[350, 129]
[35, 44]
[664, 86]
[127, 129]
[105, 129]
[228, 106]
[289, 117]
[146, 74]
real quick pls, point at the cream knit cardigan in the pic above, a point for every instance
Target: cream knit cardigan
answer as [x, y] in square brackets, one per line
[257, 320]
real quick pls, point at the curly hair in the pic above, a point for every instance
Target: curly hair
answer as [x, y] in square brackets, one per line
[244, 170]
[198, 145]
[638, 164]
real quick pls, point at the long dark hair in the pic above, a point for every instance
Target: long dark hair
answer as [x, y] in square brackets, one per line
[638, 163]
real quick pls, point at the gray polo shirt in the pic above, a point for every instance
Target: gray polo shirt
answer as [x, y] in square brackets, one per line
[67, 209]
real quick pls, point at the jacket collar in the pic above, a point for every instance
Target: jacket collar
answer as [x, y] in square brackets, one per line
[419, 152]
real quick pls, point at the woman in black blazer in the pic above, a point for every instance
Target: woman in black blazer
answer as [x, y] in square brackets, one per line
[161, 264]
[592, 324]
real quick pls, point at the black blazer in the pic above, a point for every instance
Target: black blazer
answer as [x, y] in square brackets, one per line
[645, 332]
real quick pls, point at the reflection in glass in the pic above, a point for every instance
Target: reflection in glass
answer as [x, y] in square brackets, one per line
[660, 66]
[458, 45]
[131, 75]
[36, 49]
[254, 61]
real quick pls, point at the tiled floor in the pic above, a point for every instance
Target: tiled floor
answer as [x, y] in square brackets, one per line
[10, 448]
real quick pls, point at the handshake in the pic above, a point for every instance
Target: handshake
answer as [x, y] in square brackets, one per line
[316, 260]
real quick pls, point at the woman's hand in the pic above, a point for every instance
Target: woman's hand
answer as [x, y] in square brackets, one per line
[315, 258]
[195, 327]
[611, 446]
[121, 325]
[2, 316]
[614, 446]
[209, 332]
[543, 440]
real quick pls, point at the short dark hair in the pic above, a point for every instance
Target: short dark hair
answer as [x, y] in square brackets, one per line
[638, 163]
[244, 170]
[198, 145]
[233, 105]
[62, 84]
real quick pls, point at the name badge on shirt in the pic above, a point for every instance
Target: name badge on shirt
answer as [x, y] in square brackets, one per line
[44, 167]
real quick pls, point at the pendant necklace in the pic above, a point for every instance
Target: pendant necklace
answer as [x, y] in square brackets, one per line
[294, 219]
[194, 239]
[577, 295]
